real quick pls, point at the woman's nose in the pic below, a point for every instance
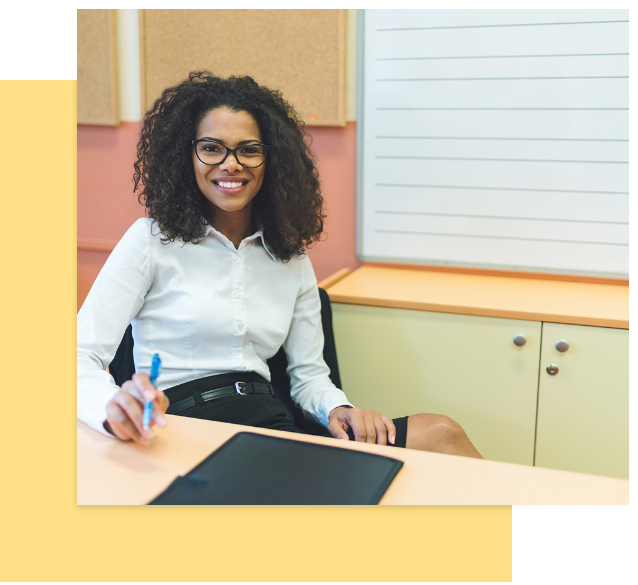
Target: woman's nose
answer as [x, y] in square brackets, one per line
[231, 163]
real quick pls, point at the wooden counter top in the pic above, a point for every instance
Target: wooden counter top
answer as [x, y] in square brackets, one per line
[602, 305]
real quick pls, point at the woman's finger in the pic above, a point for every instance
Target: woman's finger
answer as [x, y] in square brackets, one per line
[121, 424]
[356, 420]
[143, 390]
[371, 428]
[130, 387]
[122, 432]
[144, 387]
[133, 409]
[163, 401]
[363, 427]
[391, 429]
[336, 430]
[159, 408]
[381, 430]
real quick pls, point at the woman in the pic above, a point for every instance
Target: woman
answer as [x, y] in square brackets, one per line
[215, 280]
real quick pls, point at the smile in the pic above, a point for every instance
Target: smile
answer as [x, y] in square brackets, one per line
[230, 184]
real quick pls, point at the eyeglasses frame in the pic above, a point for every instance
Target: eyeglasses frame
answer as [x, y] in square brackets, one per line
[232, 151]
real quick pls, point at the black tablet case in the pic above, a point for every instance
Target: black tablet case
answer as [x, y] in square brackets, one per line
[260, 470]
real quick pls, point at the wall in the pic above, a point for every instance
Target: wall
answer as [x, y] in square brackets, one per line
[106, 205]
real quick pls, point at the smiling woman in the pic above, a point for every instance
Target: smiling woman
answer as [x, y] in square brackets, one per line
[228, 113]
[216, 279]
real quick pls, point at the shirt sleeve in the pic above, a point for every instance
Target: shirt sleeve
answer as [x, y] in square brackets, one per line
[114, 300]
[310, 386]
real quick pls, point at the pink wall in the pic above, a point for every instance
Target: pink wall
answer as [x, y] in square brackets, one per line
[336, 152]
[107, 205]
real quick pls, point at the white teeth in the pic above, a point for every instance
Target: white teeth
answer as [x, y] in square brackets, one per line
[229, 185]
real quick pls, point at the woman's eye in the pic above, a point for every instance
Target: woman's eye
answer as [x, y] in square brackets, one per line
[249, 150]
[210, 147]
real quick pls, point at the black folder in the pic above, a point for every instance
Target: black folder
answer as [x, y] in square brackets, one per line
[254, 469]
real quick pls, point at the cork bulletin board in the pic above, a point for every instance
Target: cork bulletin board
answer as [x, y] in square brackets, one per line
[98, 101]
[299, 52]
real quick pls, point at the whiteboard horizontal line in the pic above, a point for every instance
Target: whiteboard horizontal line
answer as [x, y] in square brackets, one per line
[500, 25]
[499, 57]
[498, 237]
[610, 162]
[500, 138]
[390, 212]
[503, 78]
[506, 109]
[503, 189]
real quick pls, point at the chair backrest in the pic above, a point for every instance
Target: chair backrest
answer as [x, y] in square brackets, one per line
[122, 367]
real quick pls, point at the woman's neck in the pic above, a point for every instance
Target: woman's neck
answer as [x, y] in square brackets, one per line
[235, 225]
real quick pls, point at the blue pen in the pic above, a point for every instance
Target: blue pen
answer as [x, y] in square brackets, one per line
[156, 368]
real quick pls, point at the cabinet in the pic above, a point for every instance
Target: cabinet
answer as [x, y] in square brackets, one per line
[409, 342]
[583, 410]
[400, 361]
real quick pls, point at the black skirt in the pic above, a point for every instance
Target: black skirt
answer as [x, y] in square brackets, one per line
[261, 410]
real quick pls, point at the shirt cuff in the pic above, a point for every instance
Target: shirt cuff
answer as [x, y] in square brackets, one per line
[96, 420]
[330, 404]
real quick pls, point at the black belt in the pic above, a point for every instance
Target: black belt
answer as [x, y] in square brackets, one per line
[239, 388]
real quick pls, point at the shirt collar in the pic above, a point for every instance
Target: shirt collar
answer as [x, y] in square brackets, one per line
[209, 229]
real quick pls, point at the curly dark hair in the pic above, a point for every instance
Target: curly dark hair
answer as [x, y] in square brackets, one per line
[289, 205]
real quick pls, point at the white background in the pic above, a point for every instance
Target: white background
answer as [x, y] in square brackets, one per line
[551, 544]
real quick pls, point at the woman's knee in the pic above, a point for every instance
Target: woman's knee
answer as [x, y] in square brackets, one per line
[433, 432]
[438, 422]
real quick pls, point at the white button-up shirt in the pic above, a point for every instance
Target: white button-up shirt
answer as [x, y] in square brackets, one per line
[207, 309]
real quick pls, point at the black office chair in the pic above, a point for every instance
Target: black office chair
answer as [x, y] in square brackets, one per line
[122, 367]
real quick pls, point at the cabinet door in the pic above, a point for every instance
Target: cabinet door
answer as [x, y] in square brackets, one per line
[403, 362]
[583, 410]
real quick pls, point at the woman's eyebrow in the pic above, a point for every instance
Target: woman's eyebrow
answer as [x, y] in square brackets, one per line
[222, 142]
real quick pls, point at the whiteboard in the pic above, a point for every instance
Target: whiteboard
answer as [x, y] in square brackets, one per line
[495, 139]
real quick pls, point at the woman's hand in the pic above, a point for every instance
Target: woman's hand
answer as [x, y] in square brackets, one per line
[368, 426]
[124, 411]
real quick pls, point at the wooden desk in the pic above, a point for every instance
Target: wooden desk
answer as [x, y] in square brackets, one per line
[114, 472]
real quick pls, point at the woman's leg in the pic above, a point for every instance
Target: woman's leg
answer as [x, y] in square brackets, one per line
[439, 433]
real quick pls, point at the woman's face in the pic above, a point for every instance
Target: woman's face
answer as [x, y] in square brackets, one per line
[229, 187]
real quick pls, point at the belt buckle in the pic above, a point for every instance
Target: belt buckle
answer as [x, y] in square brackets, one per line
[238, 388]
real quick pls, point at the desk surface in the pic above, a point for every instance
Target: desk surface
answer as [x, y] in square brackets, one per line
[578, 303]
[116, 472]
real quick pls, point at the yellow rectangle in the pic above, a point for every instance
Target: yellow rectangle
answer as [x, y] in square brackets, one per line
[46, 537]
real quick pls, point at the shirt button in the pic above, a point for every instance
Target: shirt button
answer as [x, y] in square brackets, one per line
[239, 260]
[240, 326]
[237, 356]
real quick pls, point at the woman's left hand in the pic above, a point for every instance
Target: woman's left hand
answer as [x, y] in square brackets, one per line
[368, 426]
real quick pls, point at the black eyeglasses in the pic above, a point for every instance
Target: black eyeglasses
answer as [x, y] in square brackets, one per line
[212, 152]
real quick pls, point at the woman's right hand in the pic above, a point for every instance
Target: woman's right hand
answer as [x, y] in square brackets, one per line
[125, 410]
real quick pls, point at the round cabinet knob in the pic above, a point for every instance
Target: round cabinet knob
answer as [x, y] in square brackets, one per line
[552, 369]
[520, 340]
[562, 345]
